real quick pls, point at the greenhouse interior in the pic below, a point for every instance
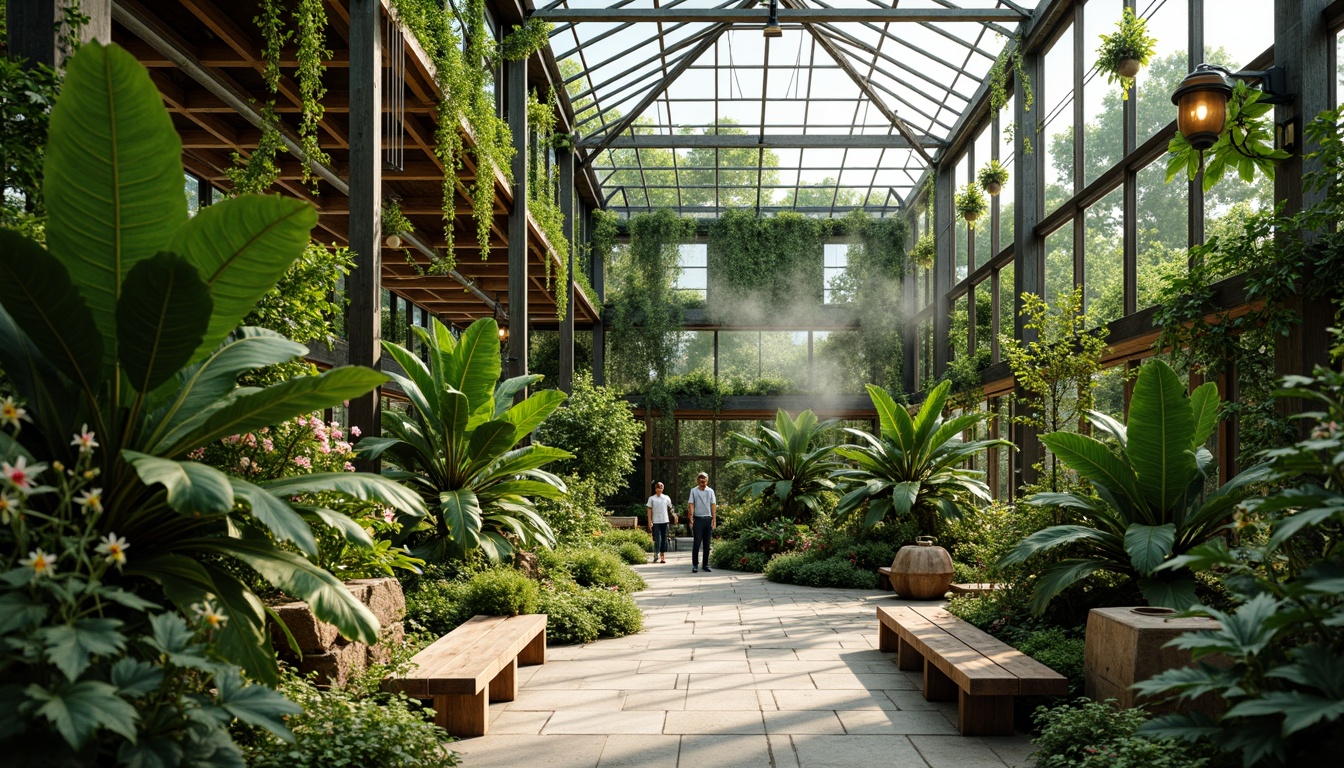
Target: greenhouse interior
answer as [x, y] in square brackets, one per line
[976, 367]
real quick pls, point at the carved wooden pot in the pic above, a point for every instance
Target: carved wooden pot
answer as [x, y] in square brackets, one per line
[921, 571]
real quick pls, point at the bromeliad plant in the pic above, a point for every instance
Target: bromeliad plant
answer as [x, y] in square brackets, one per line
[122, 332]
[917, 466]
[788, 463]
[455, 445]
[1150, 504]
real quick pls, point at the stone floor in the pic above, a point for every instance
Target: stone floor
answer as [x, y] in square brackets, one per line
[732, 670]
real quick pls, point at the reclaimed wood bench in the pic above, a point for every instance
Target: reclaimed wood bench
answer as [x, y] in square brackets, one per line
[959, 590]
[980, 672]
[618, 521]
[473, 665]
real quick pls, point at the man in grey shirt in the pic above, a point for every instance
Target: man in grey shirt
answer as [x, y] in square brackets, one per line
[704, 512]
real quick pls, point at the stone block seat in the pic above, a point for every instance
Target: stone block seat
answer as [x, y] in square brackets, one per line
[980, 672]
[473, 665]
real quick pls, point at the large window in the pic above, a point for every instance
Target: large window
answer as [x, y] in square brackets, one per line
[694, 263]
[835, 262]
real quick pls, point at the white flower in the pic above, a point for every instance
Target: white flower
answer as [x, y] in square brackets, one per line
[115, 548]
[209, 614]
[9, 508]
[91, 500]
[20, 475]
[11, 413]
[85, 440]
[41, 563]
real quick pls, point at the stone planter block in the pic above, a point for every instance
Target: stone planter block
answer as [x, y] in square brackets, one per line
[1123, 648]
[313, 636]
[337, 665]
[383, 597]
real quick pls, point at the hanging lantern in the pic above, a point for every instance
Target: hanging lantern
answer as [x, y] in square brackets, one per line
[1201, 104]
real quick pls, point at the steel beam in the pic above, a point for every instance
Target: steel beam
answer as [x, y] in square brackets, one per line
[741, 141]
[786, 15]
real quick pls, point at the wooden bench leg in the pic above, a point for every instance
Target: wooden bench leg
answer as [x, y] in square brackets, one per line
[505, 685]
[883, 581]
[907, 658]
[938, 686]
[984, 715]
[887, 638]
[535, 652]
[463, 715]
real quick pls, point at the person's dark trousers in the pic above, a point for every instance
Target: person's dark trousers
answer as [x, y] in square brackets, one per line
[659, 539]
[700, 530]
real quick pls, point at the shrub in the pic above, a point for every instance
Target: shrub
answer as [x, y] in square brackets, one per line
[835, 572]
[1053, 647]
[500, 592]
[728, 554]
[601, 568]
[616, 612]
[629, 552]
[598, 428]
[866, 555]
[437, 607]
[575, 518]
[1093, 734]
[568, 620]
[784, 568]
[640, 538]
[340, 727]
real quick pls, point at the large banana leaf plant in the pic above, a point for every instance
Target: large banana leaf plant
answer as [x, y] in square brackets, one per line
[455, 445]
[1150, 503]
[788, 464]
[917, 466]
[121, 334]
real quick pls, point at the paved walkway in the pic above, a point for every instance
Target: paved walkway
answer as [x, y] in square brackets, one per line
[732, 670]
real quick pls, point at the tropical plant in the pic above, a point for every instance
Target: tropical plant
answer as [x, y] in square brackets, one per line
[971, 204]
[455, 445]
[917, 467]
[1150, 503]
[924, 251]
[1246, 144]
[598, 427]
[790, 463]
[1129, 42]
[121, 332]
[991, 174]
[1286, 638]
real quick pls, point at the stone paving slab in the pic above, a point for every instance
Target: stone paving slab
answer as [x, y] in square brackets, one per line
[734, 671]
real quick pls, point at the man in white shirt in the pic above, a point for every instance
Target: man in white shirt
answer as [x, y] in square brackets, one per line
[704, 511]
[659, 508]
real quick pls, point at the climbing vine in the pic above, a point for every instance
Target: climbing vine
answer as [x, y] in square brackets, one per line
[877, 268]
[765, 265]
[543, 190]
[525, 40]
[310, 21]
[1011, 56]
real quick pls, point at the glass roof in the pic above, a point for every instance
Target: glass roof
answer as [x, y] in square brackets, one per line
[698, 114]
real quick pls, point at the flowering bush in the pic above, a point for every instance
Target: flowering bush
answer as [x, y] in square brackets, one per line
[95, 674]
[300, 446]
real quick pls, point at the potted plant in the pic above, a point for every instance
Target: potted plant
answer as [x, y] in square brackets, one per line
[925, 249]
[1125, 51]
[992, 177]
[971, 203]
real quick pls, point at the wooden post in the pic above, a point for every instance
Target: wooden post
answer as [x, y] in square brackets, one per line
[565, 161]
[516, 96]
[364, 284]
[598, 278]
[944, 263]
[35, 32]
[1029, 257]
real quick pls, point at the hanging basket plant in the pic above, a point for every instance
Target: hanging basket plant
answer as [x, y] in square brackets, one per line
[1125, 51]
[992, 177]
[971, 203]
[925, 249]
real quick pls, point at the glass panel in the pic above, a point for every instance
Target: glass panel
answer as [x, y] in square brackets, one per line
[960, 325]
[694, 275]
[959, 224]
[835, 259]
[696, 437]
[695, 353]
[1163, 231]
[193, 190]
[925, 353]
[1236, 31]
[1006, 303]
[725, 444]
[663, 444]
[1004, 200]
[1102, 102]
[1109, 396]
[1002, 430]
[1103, 258]
[685, 480]
[1169, 24]
[837, 365]
[1339, 71]
[1056, 99]
[984, 322]
[1058, 262]
[784, 356]
[739, 355]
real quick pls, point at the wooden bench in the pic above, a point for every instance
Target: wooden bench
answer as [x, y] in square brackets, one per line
[473, 665]
[960, 590]
[617, 521]
[961, 663]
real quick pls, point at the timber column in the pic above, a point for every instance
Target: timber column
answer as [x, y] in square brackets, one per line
[364, 283]
[1029, 258]
[516, 107]
[565, 161]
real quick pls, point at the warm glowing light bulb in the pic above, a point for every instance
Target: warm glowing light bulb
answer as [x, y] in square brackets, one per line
[1201, 111]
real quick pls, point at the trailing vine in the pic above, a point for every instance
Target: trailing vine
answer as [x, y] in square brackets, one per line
[310, 22]
[543, 189]
[765, 265]
[522, 41]
[257, 172]
[1011, 56]
[877, 269]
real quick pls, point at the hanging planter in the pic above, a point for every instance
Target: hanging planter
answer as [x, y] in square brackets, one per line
[992, 177]
[924, 251]
[971, 203]
[1125, 51]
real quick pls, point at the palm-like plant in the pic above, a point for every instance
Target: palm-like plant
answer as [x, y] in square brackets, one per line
[1149, 483]
[916, 467]
[455, 445]
[787, 462]
[121, 332]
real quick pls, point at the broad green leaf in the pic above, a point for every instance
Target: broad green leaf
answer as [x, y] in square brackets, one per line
[255, 705]
[462, 515]
[1057, 577]
[1052, 537]
[1299, 710]
[903, 497]
[505, 392]
[271, 405]
[1149, 545]
[1110, 427]
[51, 402]
[192, 488]
[80, 708]
[360, 485]
[929, 414]
[112, 178]
[161, 318]
[473, 367]
[134, 678]
[329, 599]
[241, 247]
[529, 414]
[351, 531]
[1161, 431]
[1094, 462]
[892, 418]
[489, 441]
[18, 611]
[71, 647]
[418, 384]
[36, 292]
[1178, 593]
[278, 517]
[1204, 404]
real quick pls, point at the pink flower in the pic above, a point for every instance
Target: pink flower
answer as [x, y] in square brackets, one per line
[349, 467]
[389, 515]
[250, 440]
[336, 433]
[233, 439]
[303, 461]
[343, 447]
[20, 475]
[85, 440]
[268, 444]
[196, 454]
[355, 431]
[316, 423]
[324, 448]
